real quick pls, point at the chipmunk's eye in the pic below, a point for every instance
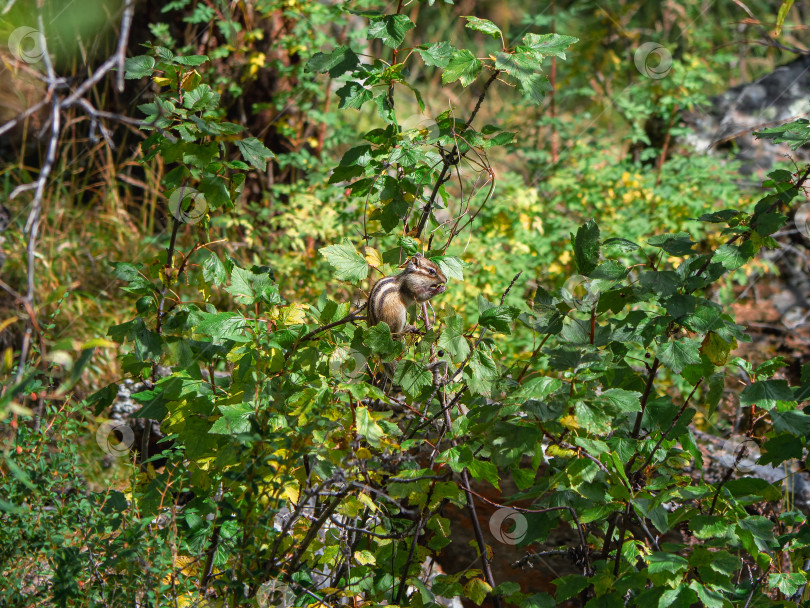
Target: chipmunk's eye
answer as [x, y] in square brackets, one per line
[432, 272]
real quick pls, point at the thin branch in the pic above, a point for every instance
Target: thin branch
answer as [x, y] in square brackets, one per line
[646, 395]
[123, 39]
[671, 426]
[451, 158]
[351, 317]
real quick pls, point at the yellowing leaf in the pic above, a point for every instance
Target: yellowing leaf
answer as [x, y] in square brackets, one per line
[291, 493]
[351, 507]
[94, 343]
[373, 257]
[477, 589]
[257, 61]
[293, 314]
[569, 422]
[365, 557]
[191, 80]
[553, 450]
[7, 322]
[716, 348]
[367, 500]
[276, 360]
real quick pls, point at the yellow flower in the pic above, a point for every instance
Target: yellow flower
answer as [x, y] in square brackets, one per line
[257, 61]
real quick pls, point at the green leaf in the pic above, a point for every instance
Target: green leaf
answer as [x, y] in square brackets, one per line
[349, 264]
[340, 61]
[223, 326]
[753, 486]
[452, 339]
[353, 95]
[367, 427]
[679, 244]
[214, 270]
[147, 344]
[677, 354]
[620, 245]
[666, 562]
[103, 398]
[761, 530]
[379, 340]
[462, 65]
[793, 422]
[391, 29]
[499, 318]
[461, 457]
[730, 257]
[586, 247]
[592, 417]
[437, 54]
[481, 372]
[202, 97]
[787, 583]
[766, 394]
[251, 286]
[623, 400]
[483, 25]
[483, 469]
[452, 267]
[769, 367]
[707, 526]
[190, 60]
[539, 600]
[611, 270]
[358, 156]
[215, 190]
[412, 377]
[569, 586]
[521, 66]
[680, 597]
[254, 152]
[549, 44]
[234, 419]
[138, 67]
[538, 388]
[719, 217]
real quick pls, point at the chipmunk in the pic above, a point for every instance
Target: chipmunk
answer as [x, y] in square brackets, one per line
[391, 296]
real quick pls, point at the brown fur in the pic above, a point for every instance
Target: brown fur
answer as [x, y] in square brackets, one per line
[391, 296]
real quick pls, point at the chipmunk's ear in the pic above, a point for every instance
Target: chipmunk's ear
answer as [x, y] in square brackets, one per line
[414, 262]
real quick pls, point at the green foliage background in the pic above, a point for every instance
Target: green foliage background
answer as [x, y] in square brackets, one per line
[586, 334]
